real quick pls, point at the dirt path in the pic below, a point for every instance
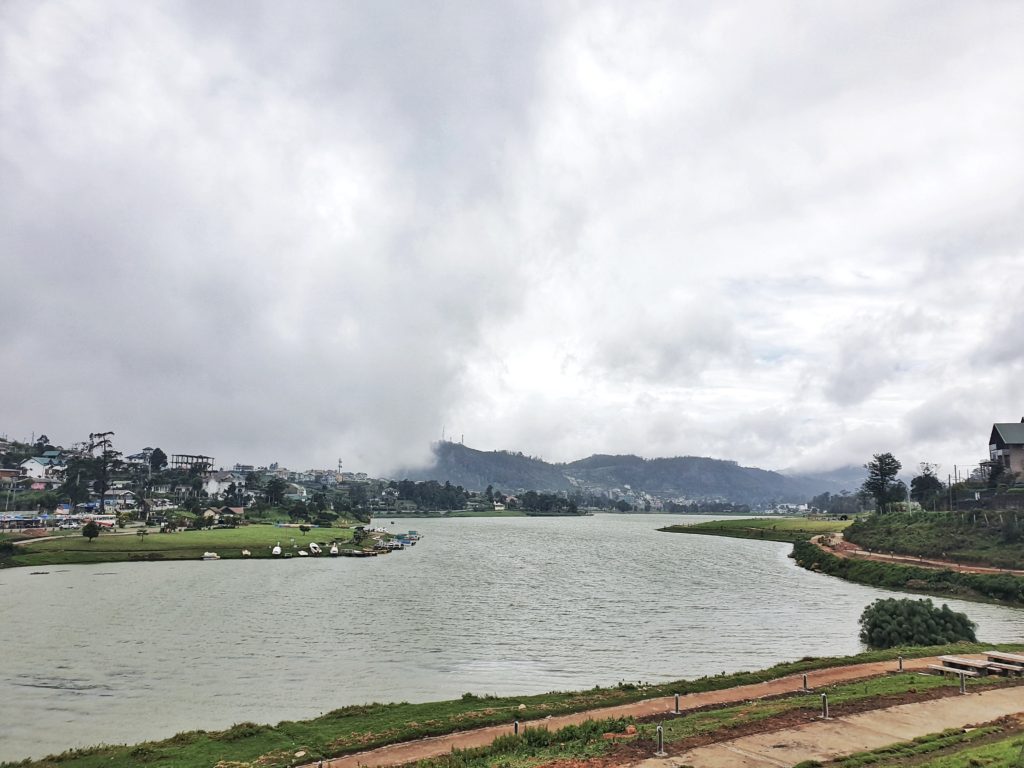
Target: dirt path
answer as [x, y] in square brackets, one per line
[421, 749]
[828, 739]
[850, 551]
[106, 533]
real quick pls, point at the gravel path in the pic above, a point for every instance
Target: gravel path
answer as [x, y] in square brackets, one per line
[407, 752]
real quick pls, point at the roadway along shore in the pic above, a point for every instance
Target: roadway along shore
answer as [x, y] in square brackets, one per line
[411, 751]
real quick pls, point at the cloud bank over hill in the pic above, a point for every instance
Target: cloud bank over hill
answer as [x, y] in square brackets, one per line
[781, 234]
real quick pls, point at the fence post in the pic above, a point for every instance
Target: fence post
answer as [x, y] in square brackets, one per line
[805, 688]
[824, 706]
[515, 728]
[677, 705]
[661, 743]
[963, 683]
[901, 662]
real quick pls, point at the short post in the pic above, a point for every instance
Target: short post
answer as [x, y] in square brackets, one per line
[515, 728]
[963, 683]
[676, 711]
[824, 706]
[805, 688]
[901, 662]
[661, 743]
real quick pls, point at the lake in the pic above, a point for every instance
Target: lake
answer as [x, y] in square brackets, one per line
[131, 651]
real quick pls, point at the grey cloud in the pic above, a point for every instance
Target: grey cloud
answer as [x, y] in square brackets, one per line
[298, 232]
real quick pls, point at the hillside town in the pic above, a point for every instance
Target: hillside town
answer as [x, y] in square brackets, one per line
[47, 484]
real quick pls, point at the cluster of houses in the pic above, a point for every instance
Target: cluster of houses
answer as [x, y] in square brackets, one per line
[48, 470]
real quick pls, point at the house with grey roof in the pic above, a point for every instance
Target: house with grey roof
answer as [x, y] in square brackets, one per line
[1006, 446]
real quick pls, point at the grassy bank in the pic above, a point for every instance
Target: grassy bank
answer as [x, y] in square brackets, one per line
[111, 547]
[356, 728]
[982, 538]
[788, 529]
[997, 587]
[536, 747]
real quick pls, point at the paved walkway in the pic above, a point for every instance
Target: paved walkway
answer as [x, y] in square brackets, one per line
[407, 752]
[825, 740]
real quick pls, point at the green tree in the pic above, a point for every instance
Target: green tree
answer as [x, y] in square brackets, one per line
[892, 622]
[80, 473]
[926, 488]
[157, 460]
[881, 484]
[275, 490]
[48, 502]
[91, 530]
[107, 461]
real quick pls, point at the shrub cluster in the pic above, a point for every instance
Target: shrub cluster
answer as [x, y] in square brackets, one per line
[891, 622]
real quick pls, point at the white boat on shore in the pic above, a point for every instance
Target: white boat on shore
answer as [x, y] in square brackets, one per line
[276, 551]
[333, 551]
[314, 549]
[210, 556]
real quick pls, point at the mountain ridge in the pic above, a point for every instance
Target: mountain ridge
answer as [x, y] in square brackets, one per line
[682, 477]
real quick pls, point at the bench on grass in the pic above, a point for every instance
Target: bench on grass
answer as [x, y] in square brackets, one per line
[1006, 658]
[958, 662]
[1006, 669]
[953, 670]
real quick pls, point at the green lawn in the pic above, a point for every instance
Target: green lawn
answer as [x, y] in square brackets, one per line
[991, 538]
[771, 529]
[183, 545]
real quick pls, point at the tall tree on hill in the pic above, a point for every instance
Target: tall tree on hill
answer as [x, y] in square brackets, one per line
[77, 478]
[275, 490]
[106, 462]
[881, 484]
[926, 488]
[157, 460]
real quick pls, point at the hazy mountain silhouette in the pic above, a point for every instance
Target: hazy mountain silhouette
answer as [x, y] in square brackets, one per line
[692, 477]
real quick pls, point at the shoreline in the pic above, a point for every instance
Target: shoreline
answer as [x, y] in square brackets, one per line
[346, 736]
[995, 587]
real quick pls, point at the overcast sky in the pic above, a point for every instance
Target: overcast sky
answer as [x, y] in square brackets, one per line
[790, 234]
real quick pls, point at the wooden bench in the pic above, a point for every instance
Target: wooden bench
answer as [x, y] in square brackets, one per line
[952, 670]
[960, 663]
[1007, 658]
[1006, 669]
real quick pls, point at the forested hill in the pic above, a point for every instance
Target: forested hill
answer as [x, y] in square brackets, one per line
[686, 476]
[475, 470]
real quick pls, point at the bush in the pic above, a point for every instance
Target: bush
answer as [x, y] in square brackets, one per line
[888, 623]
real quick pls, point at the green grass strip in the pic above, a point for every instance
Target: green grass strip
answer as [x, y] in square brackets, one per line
[357, 728]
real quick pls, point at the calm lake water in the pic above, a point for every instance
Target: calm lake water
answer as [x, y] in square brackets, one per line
[132, 651]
